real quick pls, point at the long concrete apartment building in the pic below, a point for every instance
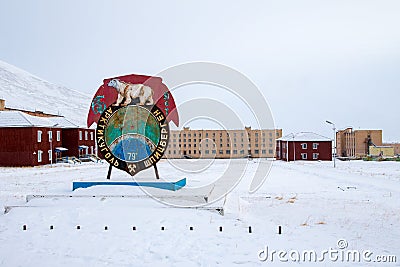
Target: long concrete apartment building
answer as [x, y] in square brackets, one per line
[189, 143]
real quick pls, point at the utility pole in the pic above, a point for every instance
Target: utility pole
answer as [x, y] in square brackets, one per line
[334, 142]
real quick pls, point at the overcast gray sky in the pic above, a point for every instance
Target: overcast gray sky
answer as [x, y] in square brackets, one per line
[313, 60]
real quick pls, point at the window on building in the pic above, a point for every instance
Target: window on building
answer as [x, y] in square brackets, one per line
[303, 155]
[184, 140]
[50, 155]
[283, 145]
[315, 145]
[39, 156]
[220, 145]
[190, 140]
[235, 152]
[214, 151]
[241, 152]
[256, 145]
[91, 150]
[228, 151]
[271, 151]
[264, 151]
[189, 135]
[256, 151]
[174, 151]
[58, 135]
[86, 135]
[190, 151]
[39, 136]
[80, 135]
[221, 152]
[304, 145]
[194, 151]
[184, 135]
[50, 133]
[207, 152]
[194, 136]
[206, 134]
[315, 155]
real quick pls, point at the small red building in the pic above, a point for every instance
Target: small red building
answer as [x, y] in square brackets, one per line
[304, 146]
[30, 141]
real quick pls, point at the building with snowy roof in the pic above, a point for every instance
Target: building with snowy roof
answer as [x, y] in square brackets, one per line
[28, 140]
[303, 146]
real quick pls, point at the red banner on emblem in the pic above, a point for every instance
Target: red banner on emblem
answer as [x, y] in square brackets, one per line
[133, 89]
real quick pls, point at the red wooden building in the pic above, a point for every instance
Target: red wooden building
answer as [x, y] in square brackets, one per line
[304, 146]
[30, 141]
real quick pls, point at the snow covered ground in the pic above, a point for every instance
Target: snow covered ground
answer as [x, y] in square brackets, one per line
[357, 204]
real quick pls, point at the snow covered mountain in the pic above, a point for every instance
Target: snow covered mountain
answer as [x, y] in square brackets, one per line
[22, 90]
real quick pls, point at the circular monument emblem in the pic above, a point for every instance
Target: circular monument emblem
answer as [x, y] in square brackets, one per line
[132, 137]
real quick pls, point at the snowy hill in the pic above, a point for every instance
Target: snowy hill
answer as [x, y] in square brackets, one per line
[23, 90]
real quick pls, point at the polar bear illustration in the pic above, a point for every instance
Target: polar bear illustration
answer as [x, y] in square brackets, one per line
[130, 91]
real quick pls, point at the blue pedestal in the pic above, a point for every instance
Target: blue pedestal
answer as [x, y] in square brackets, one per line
[173, 186]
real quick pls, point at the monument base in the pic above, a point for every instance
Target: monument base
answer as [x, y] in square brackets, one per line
[173, 186]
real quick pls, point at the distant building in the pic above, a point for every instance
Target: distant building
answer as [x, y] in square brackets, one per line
[30, 140]
[355, 143]
[189, 143]
[396, 147]
[29, 112]
[304, 146]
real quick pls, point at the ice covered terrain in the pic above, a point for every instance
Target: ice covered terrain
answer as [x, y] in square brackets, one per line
[22, 90]
[315, 204]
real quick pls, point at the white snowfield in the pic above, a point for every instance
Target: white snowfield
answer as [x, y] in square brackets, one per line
[23, 90]
[355, 207]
